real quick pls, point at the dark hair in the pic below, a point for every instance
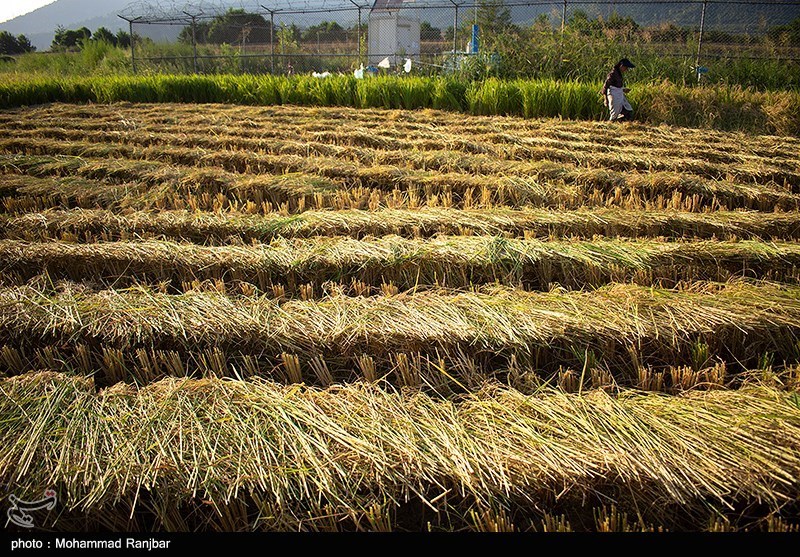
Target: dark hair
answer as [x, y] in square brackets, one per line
[624, 62]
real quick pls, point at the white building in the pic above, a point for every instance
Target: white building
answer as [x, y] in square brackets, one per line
[393, 31]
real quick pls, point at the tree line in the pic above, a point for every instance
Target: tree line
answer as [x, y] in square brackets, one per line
[493, 18]
[238, 26]
[10, 45]
[74, 39]
[64, 40]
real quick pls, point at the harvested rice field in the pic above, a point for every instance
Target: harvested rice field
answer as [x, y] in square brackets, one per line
[229, 318]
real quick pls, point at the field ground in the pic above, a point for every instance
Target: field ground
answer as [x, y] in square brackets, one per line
[220, 317]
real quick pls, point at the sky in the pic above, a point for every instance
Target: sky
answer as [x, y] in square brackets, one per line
[9, 9]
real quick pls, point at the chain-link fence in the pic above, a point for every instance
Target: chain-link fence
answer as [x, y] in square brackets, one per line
[754, 42]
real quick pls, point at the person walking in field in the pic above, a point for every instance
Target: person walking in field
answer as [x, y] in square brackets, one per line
[614, 92]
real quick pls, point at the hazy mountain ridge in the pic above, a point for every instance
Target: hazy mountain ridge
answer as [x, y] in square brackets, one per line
[63, 12]
[39, 25]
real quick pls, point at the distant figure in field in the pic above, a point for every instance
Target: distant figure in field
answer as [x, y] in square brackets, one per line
[614, 92]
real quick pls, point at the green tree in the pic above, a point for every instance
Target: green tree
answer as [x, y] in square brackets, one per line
[201, 30]
[616, 26]
[327, 31]
[427, 32]
[579, 21]
[616, 21]
[123, 39]
[9, 44]
[542, 24]
[70, 38]
[494, 18]
[788, 34]
[233, 27]
[104, 35]
[24, 44]
[288, 37]
[236, 25]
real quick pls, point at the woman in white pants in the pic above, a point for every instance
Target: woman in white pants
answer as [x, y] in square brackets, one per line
[614, 92]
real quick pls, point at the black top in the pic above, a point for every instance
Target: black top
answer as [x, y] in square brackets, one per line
[613, 79]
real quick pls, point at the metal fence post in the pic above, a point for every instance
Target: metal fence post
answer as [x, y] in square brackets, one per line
[194, 42]
[242, 52]
[133, 50]
[271, 39]
[455, 31]
[271, 42]
[194, 46]
[561, 38]
[130, 31]
[700, 39]
[358, 31]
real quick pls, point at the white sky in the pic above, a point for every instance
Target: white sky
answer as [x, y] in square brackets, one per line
[9, 9]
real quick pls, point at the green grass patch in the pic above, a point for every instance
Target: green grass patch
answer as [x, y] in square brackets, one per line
[718, 107]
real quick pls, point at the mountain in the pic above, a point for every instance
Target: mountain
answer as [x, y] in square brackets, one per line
[39, 25]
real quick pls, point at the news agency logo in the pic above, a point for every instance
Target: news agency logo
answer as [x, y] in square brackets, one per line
[18, 512]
